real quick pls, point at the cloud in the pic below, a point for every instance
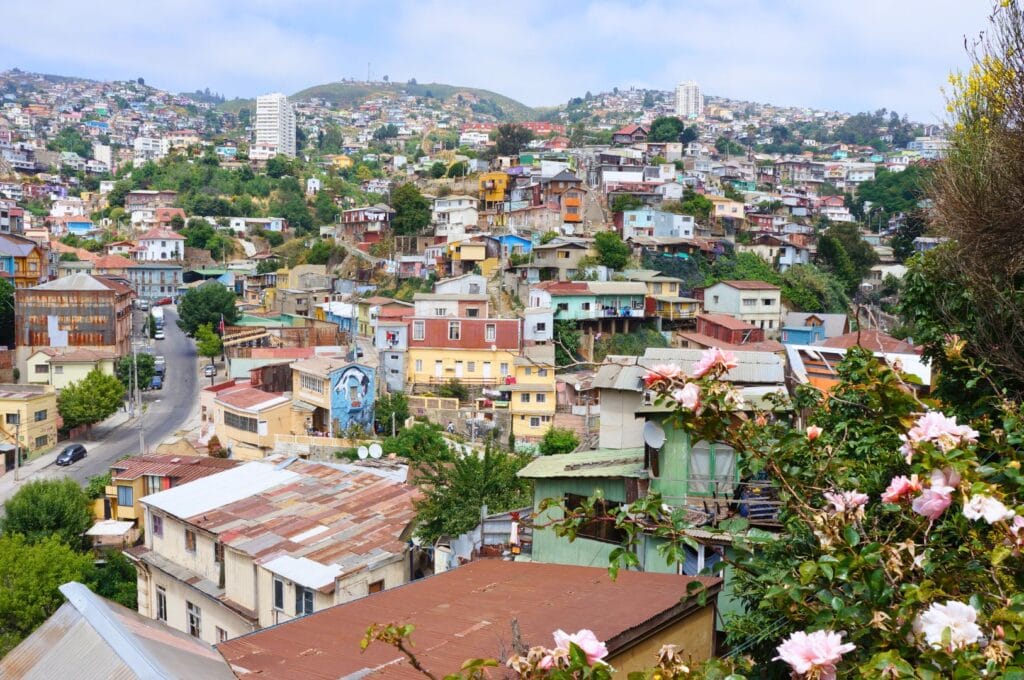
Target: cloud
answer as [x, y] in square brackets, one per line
[846, 56]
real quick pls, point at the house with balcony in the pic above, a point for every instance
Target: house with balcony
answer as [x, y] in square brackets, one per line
[453, 216]
[367, 225]
[337, 395]
[654, 223]
[158, 245]
[779, 251]
[664, 297]
[756, 302]
[155, 280]
[477, 351]
[267, 542]
[557, 260]
[22, 261]
[595, 306]
[391, 340]
[630, 134]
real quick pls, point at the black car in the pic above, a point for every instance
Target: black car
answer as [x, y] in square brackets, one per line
[70, 454]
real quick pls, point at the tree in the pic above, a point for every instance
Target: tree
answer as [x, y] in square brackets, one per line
[199, 233]
[50, 507]
[612, 251]
[846, 254]
[454, 492]
[726, 146]
[115, 578]
[268, 266]
[438, 170]
[326, 209]
[412, 210]
[6, 313]
[558, 440]
[93, 398]
[97, 485]
[665, 129]
[30, 575]
[70, 139]
[391, 409]
[177, 222]
[458, 169]
[208, 343]
[624, 202]
[389, 131]
[548, 237]
[689, 135]
[511, 138]
[453, 389]
[146, 368]
[694, 204]
[567, 342]
[278, 166]
[208, 304]
[421, 443]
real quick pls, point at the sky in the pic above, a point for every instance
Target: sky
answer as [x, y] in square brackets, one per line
[827, 54]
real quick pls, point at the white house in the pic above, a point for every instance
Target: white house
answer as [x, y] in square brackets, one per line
[160, 244]
[756, 302]
[312, 186]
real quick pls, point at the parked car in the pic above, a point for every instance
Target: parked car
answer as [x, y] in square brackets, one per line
[209, 370]
[159, 335]
[157, 383]
[143, 305]
[70, 454]
[164, 301]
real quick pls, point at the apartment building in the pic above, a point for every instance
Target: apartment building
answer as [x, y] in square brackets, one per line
[689, 99]
[267, 542]
[275, 126]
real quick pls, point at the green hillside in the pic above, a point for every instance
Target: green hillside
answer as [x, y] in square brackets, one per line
[352, 93]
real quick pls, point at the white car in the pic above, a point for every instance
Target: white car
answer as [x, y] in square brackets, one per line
[159, 335]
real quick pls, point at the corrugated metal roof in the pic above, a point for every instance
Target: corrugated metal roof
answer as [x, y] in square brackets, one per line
[220, 489]
[600, 463]
[467, 613]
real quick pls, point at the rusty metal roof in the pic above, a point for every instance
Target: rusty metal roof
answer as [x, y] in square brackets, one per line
[180, 469]
[467, 613]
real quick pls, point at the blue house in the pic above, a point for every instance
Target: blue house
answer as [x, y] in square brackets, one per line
[802, 335]
[511, 244]
[352, 396]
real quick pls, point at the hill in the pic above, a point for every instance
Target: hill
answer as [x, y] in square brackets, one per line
[482, 101]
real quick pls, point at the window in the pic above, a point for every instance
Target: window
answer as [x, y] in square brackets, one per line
[152, 484]
[195, 619]
[440, 311]
[161, 604]
[585, 306]
[749, 302]
[541, 327]
[158, 525]
[563, 255]
[534, 421]
[222, 635]
[542, 372]
[303, 601]
[454, 330]
[471, 366]
[41, 441]
[490, 332]
[218, 552]
[714, 298]
[525, 397]
[504, 368]
[311, 383]
[376, 586]
[419, 365]
[771, 324]
[58, 370]
[42, 368]
[596, 529]
[278, 594]
[12, 419]
[473, 313]
[190, 540]
[541, 397]
[418, 330]
[239, 422]
[768, 302]
[124, 496]
[711, 470]
[528, 370]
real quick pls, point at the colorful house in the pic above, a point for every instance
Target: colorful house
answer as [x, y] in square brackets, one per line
[61, 367]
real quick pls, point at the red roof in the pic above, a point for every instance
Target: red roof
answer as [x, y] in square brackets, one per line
[563, 287]
[750, 285]
[873, 340]
[157, 234]
[726, 321]
[180, 469]
[467, 613]
[112, 262]
[631, 129]
[246, 397]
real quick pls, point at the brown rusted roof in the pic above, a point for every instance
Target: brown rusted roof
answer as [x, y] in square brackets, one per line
[750, 285]
[467, 613]
[871, 339]
[726, 321]
[180, 469]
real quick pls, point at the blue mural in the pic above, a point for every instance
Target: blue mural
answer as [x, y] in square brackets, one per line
[352, 396]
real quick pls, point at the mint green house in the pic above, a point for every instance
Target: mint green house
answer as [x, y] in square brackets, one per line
[590, 300]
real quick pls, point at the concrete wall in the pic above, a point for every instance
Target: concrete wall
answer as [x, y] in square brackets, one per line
[694, 637]
[620, 428]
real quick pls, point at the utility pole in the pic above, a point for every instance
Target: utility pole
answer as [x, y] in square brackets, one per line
[17, 446]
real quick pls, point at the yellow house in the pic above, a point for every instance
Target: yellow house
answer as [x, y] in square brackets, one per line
[247, 420]
[493, 186]
[61, 367]
[532, 396]
[28, 418]
[435, 366]
[137, 476]
[725, 208]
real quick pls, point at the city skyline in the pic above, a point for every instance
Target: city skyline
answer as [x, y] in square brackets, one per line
[892, 55]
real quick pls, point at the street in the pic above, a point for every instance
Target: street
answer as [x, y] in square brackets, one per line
[164, 410]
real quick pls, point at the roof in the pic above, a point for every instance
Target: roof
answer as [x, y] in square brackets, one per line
[250, 399]
[573, 288]
[749, 285]
[76, 355]
[113, 262]
[835, 324]
[110, 527]
[83, 281]
[467, 613]
[90, 638]
[599, 463]
[627, 372]
[707, 341]
[726, 321]
[157, 234]
[461, 297]
[18, 246]
[339, 518]
[871, 339]
[631, 129]
[180, 469]
[321, 366]
[805, 360]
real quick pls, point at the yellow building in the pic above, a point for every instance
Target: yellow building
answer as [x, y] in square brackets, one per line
[247, 420]
[28, 412]
[725, 208]
[493, 186]
[532, 396]
[61, 367]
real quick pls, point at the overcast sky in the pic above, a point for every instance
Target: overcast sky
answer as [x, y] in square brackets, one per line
[848, 56]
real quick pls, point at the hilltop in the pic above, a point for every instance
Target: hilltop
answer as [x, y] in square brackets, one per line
[346, 94]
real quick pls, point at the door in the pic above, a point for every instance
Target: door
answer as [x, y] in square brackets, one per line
[438, 369]
[458, 369]
[487, 370]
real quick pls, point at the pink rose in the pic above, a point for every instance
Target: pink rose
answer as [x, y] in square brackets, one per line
[900, 487]
[938, 429]
[585, 639]
[813, 432]
[688, 397]
[934, 500]
[845, 500]
[819, 651]
[661, 373]
[714, 358]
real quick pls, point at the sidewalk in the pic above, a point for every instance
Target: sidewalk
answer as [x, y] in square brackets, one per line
[38, 463]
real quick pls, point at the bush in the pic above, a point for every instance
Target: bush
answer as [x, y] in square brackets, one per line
[558, 440]
[454, 389]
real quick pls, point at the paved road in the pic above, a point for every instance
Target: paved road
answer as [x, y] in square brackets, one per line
[165, 410]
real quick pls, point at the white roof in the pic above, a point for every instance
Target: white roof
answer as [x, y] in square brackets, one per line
[303, 571]
[342, 309]
[110, 527]
[213, 491]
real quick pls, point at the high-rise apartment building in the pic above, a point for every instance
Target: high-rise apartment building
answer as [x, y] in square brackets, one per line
[275, 127]
[689, 100]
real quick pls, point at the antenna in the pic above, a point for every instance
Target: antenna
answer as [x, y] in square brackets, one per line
[376, 451]
[363, 452]
[654, 434]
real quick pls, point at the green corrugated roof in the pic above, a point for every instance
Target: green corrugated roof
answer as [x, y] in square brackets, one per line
[600, 463]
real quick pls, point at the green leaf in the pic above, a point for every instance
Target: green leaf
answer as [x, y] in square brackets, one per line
[851, 535]
[808, 570]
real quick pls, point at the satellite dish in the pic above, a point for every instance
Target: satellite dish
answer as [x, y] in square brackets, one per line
[363, 452]
[654, 434]
[376, 451]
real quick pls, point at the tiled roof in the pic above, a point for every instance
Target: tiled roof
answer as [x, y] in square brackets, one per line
[112, 262]
[157, 234]
[466, 613]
